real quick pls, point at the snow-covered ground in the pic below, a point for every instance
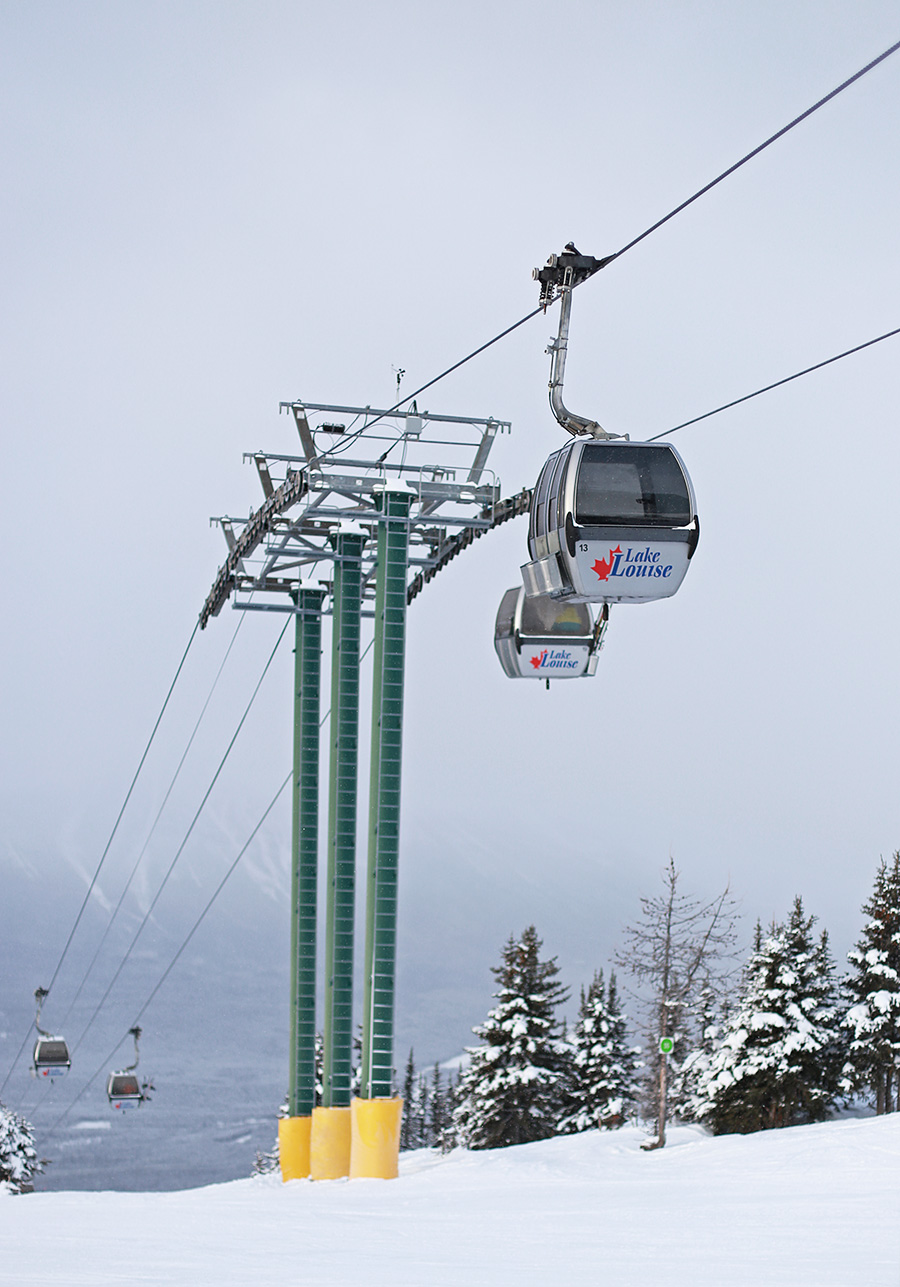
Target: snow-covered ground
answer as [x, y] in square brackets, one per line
[814, 1206]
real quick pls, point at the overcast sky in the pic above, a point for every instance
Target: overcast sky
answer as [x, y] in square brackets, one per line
[209, 207]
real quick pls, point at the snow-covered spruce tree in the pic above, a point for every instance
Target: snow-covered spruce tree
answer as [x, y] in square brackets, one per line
[602, 1082]
[690, 1098]
[356, 1062]
[319, 1066]
[419, 1109]
[19, 1163]
[873, 1020]
[449, 1137]
[780, 1058]
[673, 951]
[408, 1127]
[512, 1090]
[438, 1115]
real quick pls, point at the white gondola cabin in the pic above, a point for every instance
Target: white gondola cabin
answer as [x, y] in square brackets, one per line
[50, 1057]
[611, 522]
[539, 638]
[124, 1090]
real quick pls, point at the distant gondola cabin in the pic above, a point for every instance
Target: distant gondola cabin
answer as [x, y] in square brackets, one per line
[124, 1090]
[51, 1057]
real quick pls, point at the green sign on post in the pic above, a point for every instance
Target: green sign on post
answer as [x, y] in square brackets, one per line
[666, 1045]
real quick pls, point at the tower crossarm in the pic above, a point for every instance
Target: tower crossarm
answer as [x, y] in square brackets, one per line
[259, 524]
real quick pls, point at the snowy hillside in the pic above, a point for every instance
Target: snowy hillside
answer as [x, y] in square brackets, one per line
[812, 1206]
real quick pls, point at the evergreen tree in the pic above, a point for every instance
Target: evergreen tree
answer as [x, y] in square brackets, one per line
[19, 1163]
[780, 1056]
[690, 1100]
[873, 1020]
[356, 1063]
[437, 1114]
[512, 1090]
[449, 1137]
[419, 1112]
[319, 1066]
[603, 1070]
[408, 1126]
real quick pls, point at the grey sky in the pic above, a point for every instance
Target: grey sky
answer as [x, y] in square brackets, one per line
[208, 207]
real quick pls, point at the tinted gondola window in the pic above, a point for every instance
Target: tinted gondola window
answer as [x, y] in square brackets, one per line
[124, 1086]
[641, 485]
[538, 525]
[52, 1052]
[555, 515]
[543, 616]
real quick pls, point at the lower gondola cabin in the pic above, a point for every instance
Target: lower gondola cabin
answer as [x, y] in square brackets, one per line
[540, 638]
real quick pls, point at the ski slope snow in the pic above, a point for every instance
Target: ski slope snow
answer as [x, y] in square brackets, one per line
[813, 1206]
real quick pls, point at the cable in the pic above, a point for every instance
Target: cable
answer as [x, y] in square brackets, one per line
[17, 1058]
[450, 369]
[218, 890]
[175, 958]
[761, 148]
[159, 813]
[90, 889]
[787, 379]
[196, 924]
[658, 224]
[124, 803]
[187, 835]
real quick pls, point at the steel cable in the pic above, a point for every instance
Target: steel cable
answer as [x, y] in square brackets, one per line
[762, 146]
[658, 224]
[197, 923]
[155, 822]
[184, 841]
[112, 834]
[777, 384]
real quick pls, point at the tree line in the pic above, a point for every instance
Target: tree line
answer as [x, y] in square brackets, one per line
[776, 1041]
[781, 1040]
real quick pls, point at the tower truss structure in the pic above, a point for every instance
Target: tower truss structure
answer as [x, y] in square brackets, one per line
[354, 525]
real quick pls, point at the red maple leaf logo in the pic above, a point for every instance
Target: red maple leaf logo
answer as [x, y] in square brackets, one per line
[536, 661]
[603, 567]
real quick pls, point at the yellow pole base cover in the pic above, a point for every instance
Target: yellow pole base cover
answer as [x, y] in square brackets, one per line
[375, 1145]
[329, 1150]
[293, 1147]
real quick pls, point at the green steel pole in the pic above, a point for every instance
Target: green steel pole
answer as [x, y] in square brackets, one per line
[384, 793]
[347, 603]
[305, 852]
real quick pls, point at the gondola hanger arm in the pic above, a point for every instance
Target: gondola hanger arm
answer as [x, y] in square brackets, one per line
[40, 996]
[136, 1033]
[559, 277]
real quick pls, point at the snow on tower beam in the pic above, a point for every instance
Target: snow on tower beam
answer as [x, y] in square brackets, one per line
[293, 489]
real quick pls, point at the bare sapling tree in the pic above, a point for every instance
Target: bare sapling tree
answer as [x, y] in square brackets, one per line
[673, 952]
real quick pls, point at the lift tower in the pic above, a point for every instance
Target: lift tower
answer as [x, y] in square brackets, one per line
[352, 528]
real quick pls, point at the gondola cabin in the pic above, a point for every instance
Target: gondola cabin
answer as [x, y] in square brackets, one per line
[611, 522]
[124, 1090]
[542, 638]
[51, 1057]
